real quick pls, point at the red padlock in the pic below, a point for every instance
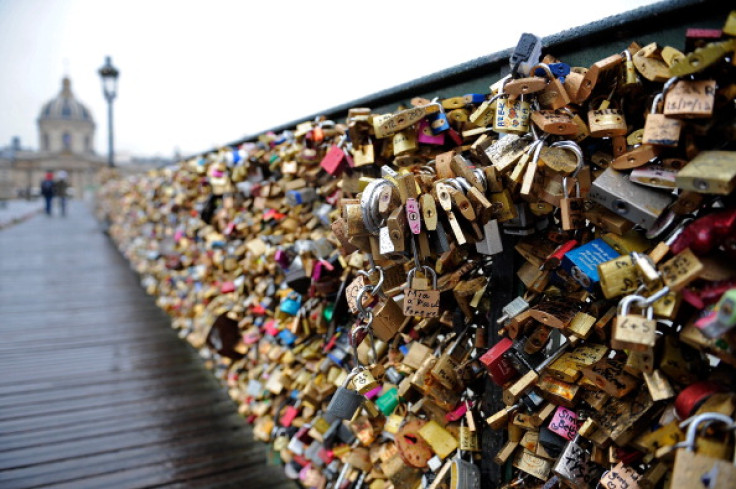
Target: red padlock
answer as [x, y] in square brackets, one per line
[500, 368]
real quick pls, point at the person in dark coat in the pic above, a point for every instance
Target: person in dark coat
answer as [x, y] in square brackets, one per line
[61, 187]
[47, 190]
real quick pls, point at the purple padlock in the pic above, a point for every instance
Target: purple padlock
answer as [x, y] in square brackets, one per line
[282, 258]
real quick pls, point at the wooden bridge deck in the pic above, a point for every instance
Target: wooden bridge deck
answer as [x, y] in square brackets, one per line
[96, 389]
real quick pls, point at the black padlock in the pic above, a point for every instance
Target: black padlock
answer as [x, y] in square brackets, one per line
[345, 402]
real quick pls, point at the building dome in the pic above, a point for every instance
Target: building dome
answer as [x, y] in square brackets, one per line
[65, 124]
[65, 106]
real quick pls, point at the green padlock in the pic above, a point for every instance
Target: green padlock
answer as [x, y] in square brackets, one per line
[388, 401]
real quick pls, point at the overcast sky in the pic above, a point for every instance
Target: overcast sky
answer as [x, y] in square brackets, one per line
[195, 75]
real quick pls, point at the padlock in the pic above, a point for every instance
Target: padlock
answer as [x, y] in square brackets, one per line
[572, 208]
[632, 331]
[690, 99]
[618, 277]
[555, 122]
[723, 320]
[649, 63]
[499, 366]
[526, 53]
[606, 122]
[413, 450]
[575, 467]
[364, 382]
[660, 130]
[581, 263]
[345, 402]
[554, 96]
[386, 318]
[445, 370]
[697, 470]
[464, 474]
[636, 203]
[710, 172]
[420, 301]
[511, 116]
[438, 121]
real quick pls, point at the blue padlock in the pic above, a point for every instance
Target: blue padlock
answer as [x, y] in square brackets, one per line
[287, 337]
[582, 262]
[474, 98]
[438, 122]
[291, 304]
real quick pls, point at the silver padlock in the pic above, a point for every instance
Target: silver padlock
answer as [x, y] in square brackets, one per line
[345, 402]
[464, 474]
[640, 205]
[491, 243]
[575, 466]
[513, 309]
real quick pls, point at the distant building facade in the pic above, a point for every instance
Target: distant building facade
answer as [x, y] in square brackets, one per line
[66, 132]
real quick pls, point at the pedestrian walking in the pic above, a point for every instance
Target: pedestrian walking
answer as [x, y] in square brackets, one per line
[47, 190]
[61, 190]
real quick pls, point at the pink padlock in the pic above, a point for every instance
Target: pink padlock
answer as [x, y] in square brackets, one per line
[412, 215]
[332, 162]
[425, 136]
[564, 423]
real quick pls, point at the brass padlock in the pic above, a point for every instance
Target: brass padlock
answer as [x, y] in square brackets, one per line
[511, 116]
[419, 299]
[554, 96]
[606, 122]
[555, 122]
[387, 319]
[632, 331]
[690, 99]
[618, 277]
[572, 208]
[659, 129]
[697, 470]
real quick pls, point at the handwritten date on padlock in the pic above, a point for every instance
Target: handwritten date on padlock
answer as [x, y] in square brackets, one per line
[422, 303]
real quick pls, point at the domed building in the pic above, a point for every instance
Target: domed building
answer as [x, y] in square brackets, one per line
[65, 124]
[66, 132]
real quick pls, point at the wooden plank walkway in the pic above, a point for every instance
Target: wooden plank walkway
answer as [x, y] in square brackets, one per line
[96, 389]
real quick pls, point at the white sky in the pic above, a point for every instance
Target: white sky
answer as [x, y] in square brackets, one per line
[195, 75]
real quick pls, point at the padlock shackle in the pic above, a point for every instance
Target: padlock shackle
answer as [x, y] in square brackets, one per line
[576, 150]
[359, 300]
[369, 204]
[367, 274]
[694, 422]
[564, 188]
[655, 103]
[545, 67]
[625, 304]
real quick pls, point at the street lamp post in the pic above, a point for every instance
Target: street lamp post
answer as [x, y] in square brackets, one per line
[109, 75]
